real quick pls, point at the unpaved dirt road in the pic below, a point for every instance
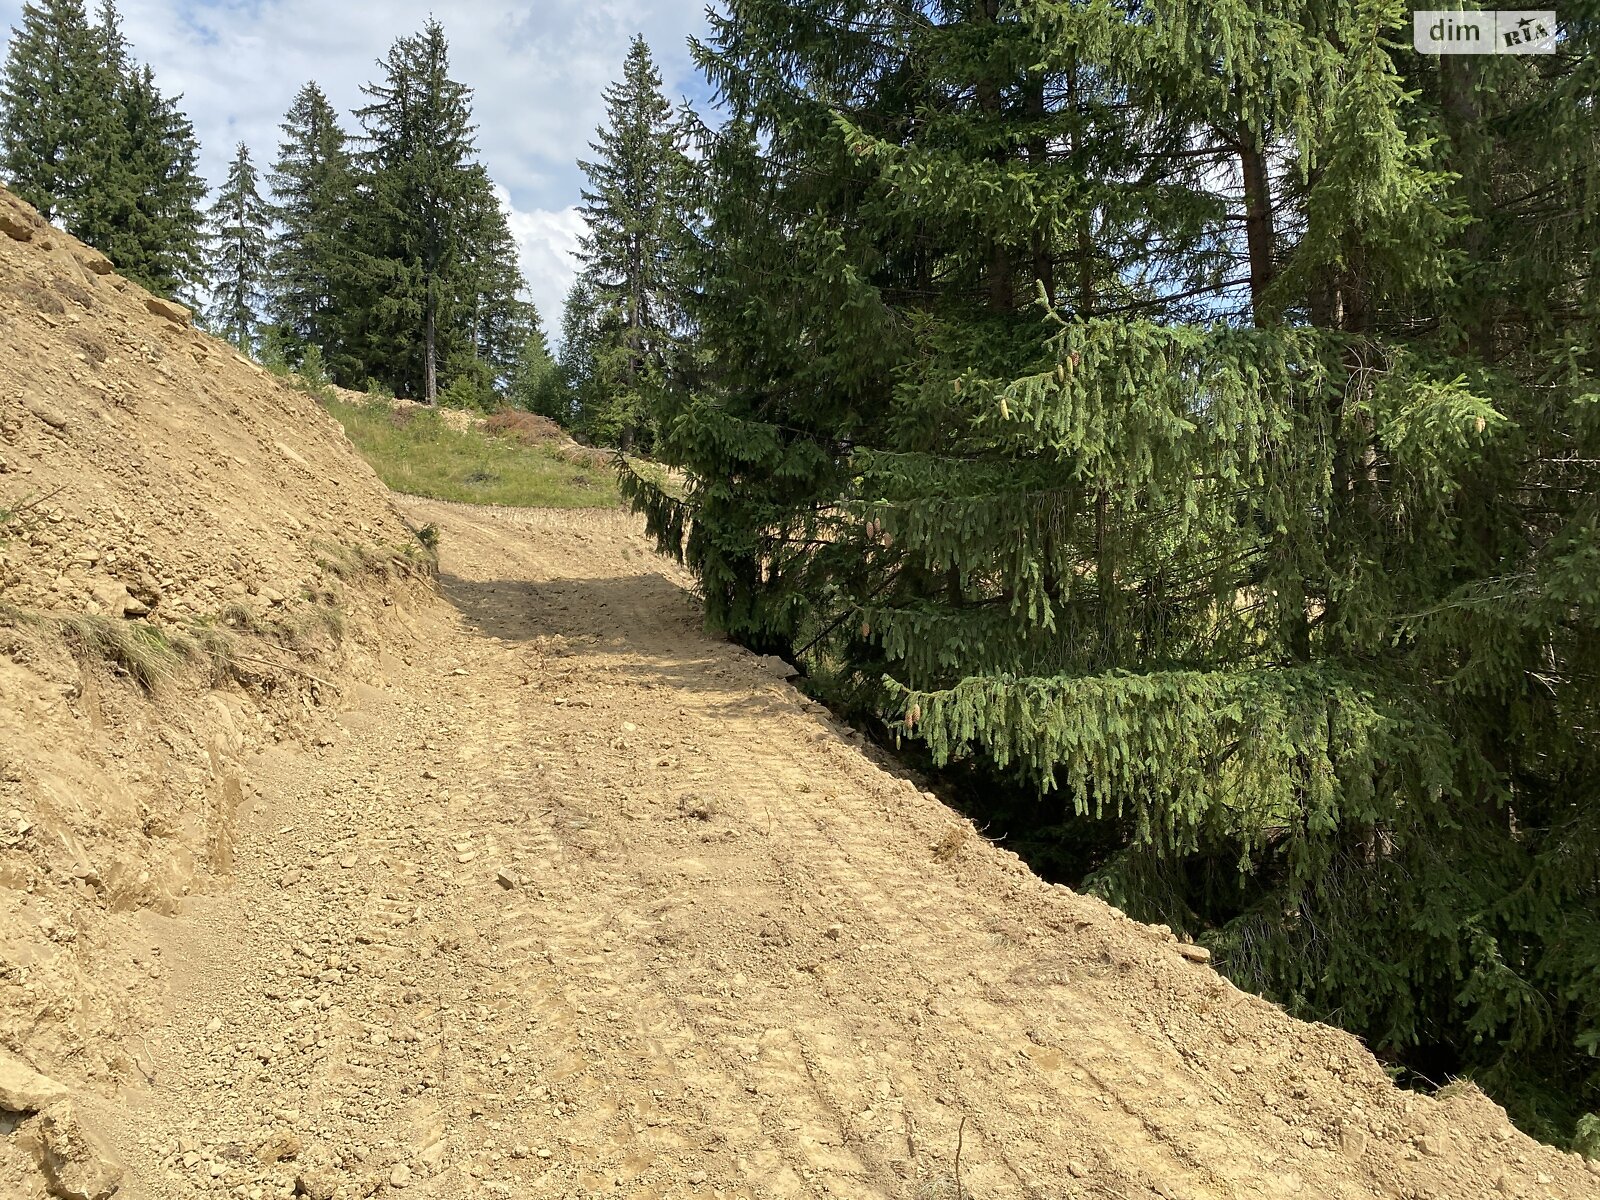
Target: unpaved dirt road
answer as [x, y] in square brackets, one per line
[580, 901]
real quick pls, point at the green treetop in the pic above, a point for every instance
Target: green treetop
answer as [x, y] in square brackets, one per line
[313, 187]
[57, 100]
[491, 321]
[87, 136]
[537, 384]
[240, 224]
[154, 230]
[633, 206]
[418, 180]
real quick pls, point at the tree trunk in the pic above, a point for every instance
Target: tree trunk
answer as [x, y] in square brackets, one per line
[1085, 238]
[999, 270]
[1044, 270]
[1457, 76]
[1258, 229]
[1104, 567]
[430, 364]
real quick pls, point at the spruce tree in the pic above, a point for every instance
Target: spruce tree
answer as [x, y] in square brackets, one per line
[537, 384]
[57, 108]
[88, 138]
[590, 329]
[105, 211]
[1185, 417]
[417, 184]
[313, 187]
[147, 213]
[493, 319]
[635, 211]
[239, 231]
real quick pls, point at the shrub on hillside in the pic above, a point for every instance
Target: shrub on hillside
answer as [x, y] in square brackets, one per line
[471, 385]
[273, 353]
[584, 456]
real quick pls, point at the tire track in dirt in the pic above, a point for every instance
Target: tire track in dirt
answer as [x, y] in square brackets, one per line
[582, 902]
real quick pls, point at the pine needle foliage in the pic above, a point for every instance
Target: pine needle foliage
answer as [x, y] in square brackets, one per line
[1189, 413]
[429, 293]
[146, 213]
[626, 312]
[240, 228]
[417, 180]
[496, 322]
[312, 185]
[87, 137]
[55, 88]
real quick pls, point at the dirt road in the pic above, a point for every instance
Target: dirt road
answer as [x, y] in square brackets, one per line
[582, 902]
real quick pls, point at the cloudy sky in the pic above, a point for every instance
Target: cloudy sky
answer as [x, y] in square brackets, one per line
[537, 66]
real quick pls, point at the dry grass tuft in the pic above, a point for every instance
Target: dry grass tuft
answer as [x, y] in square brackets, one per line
[306, 627]
[140, 651]
[349, 562]
[950, 844]
[216, 648]
[528, 428]
[241, 616]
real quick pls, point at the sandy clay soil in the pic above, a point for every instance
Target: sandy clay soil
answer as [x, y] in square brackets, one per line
[584, 902]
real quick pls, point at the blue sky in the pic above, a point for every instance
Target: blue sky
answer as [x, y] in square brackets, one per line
[538, 70]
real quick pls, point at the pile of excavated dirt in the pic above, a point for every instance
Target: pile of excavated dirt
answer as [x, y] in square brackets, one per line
[535, 890]
[171, 518]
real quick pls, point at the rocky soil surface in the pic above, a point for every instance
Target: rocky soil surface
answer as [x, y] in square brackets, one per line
[519, 885]
[193, 563]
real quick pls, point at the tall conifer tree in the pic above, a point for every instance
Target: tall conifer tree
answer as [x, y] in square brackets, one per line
[494, 319]
[418, 180]
[537, 384]
[313, 187]
[58, 102]
[239, 231]
[1178, 416]
[87, 136]
[155, 231]
[589, 327]
[634, 207]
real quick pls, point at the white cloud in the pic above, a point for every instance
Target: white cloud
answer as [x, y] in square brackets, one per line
[538, 69]
[547, 242]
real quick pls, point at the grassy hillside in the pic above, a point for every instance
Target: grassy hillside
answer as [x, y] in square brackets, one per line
[415, 452]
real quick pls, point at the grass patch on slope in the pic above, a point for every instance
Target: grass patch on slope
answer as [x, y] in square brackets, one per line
[415, 452]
